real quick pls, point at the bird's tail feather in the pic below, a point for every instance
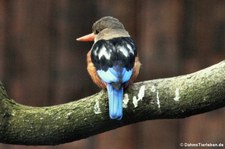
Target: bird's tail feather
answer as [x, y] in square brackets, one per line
[115, 102]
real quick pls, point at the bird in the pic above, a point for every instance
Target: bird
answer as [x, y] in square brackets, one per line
[112, 62]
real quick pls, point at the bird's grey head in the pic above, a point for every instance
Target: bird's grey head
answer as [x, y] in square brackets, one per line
[108, 28]
[107, 22]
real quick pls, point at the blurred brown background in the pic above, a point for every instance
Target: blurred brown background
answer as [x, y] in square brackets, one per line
[41, 64]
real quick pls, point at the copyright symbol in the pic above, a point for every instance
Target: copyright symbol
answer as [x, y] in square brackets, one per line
[181, 144]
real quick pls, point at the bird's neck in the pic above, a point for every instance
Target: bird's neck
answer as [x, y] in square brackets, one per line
[108, 34]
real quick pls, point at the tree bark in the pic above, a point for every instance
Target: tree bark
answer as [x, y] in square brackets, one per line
[169, 98]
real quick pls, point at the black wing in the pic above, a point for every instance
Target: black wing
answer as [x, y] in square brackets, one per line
[117, 51]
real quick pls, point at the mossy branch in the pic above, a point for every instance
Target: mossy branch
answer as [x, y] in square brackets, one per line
[169, 98]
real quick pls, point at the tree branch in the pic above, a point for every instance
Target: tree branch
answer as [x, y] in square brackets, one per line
[169, 98]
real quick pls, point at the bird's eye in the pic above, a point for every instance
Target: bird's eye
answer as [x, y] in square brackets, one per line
[96, 31]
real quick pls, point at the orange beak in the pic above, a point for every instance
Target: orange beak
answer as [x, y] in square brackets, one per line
[89, 37]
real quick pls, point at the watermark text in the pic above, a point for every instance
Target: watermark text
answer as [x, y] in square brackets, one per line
[199, 144]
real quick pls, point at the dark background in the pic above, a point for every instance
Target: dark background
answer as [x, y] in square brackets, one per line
[41, 64]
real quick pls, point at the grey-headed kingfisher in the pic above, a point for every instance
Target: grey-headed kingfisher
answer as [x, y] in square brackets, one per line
[112, 61]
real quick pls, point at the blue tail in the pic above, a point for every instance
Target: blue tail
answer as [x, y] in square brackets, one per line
[115, 102]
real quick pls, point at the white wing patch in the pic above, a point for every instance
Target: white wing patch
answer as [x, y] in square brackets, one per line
[95, 51]
[130, 49]
[104, 52]
[124, 51]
